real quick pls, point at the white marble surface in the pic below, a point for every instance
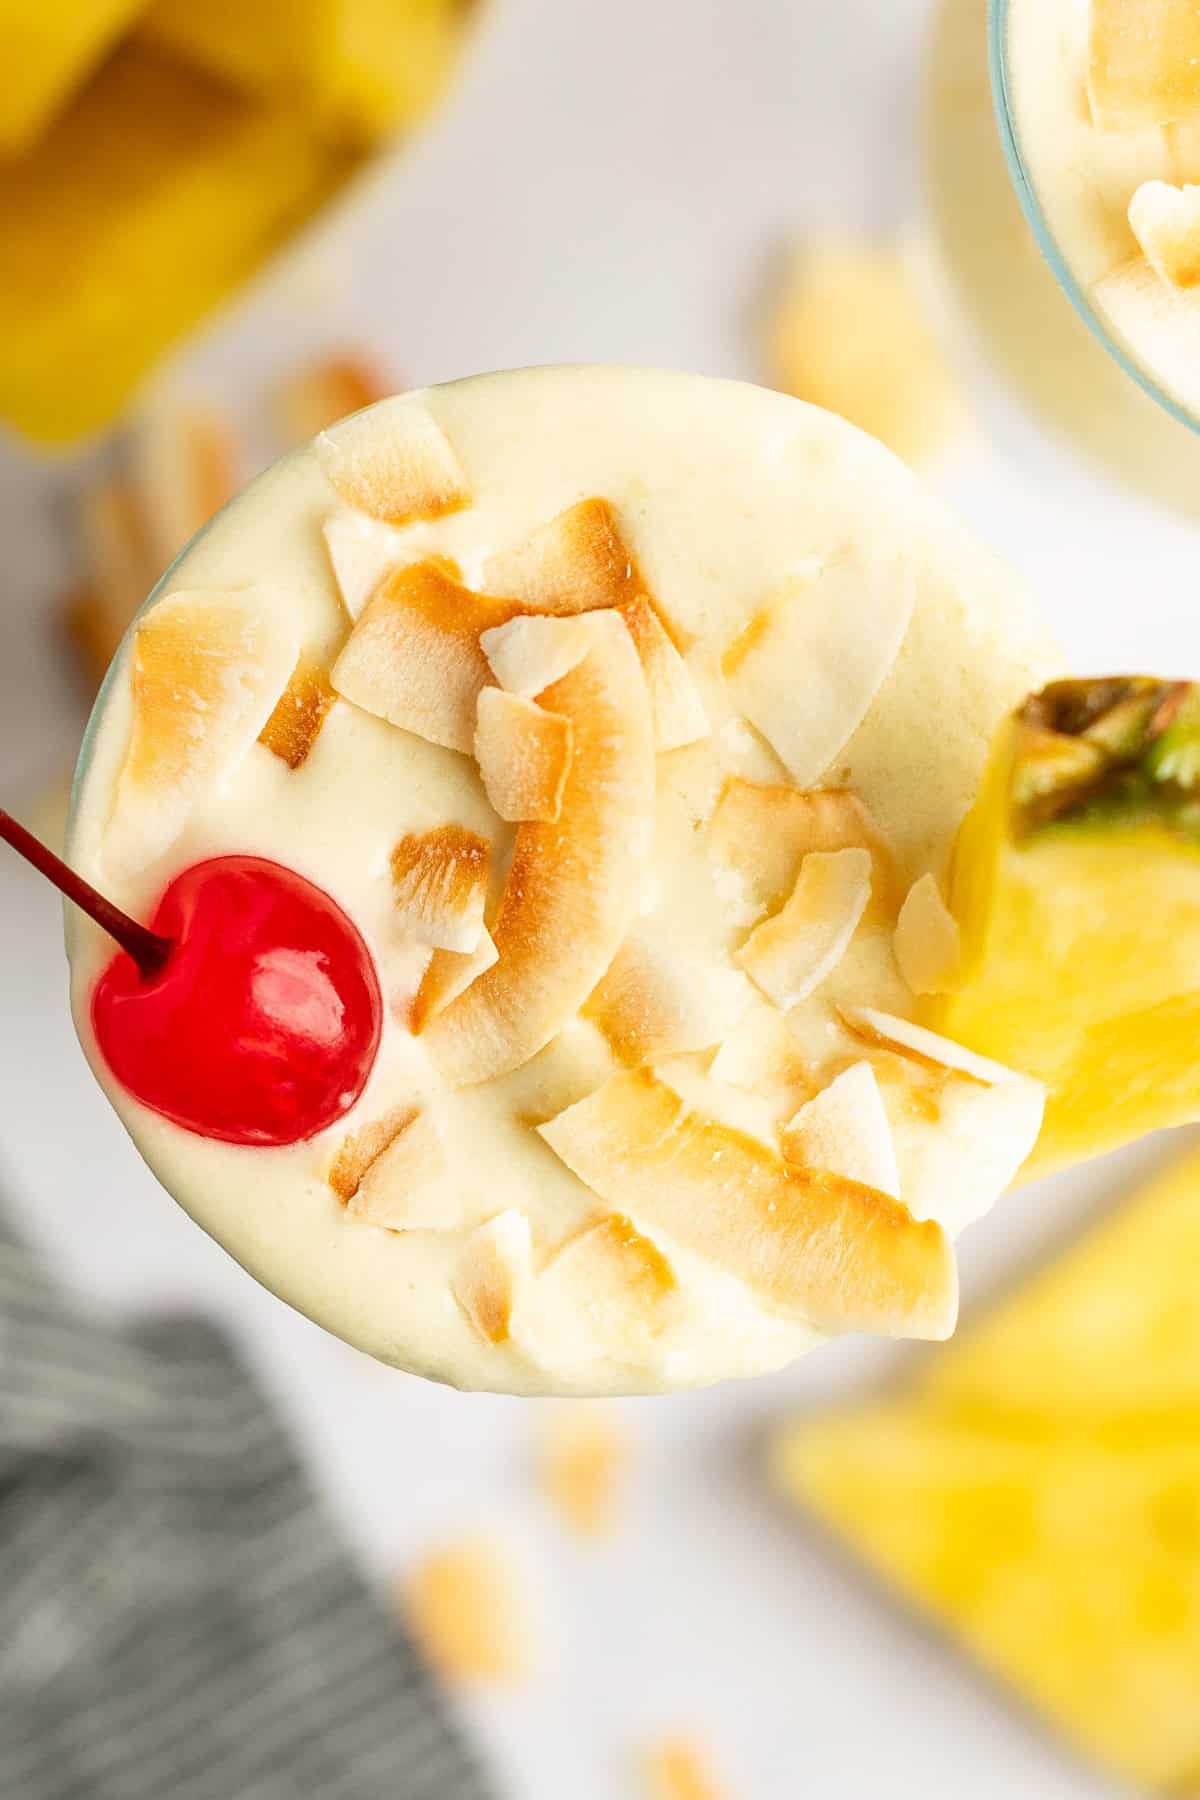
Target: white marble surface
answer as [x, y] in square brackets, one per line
[609, 181]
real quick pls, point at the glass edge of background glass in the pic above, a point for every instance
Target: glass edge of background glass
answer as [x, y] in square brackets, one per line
[1032, 208]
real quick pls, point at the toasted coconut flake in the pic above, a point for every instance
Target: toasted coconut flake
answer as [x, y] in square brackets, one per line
[293, 727]
[1143, 62]
[653, 1003]
[575, 563]
[927, 941]
[492, 1270]
[582, 1458]
[467, 1606]
[914, 1040]
[837, 1254]
[808, 665]
[185, 463]
[763, 830]
[317, 394]
[397, 472]
[675, 703]
[448, 974]
[792, 952]
[845, 1129]
[408, 1186]
[414, 659]
[529, 654]
[361, 552]
[607, 1295]
[524, 755]
[207, 671]
[362, 1148]
[958, 1143]
[1165, 220]
[121, 568]
[762, 1056]
[677, 1768]
[440, 879]
[573, 887]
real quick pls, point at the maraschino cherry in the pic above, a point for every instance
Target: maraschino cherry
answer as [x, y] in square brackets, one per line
[248, 1011]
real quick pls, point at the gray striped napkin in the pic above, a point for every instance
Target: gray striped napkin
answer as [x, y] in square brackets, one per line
[177, 1617]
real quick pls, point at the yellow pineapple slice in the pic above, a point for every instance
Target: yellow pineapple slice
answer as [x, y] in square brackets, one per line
[468, 1606]
[1143, 62]
[524, 754]
[318, 394]
[675, 703]
[1076, 884]
[293, 727]
[606, 1296]
[838, 1254]
[1166, 224]
[575, 563]
[440, 883]
[581, 1458]
[790, 953]
[493, 1269]
[841, 624]
[357, 67]
[414, 658]
[152, 170]
[844, 1129]
[573, 887]
[530, 654]
[409, 473]
[207, 670]
[1038, 1489]
[927, 941]
[762, 831]
[49, 51]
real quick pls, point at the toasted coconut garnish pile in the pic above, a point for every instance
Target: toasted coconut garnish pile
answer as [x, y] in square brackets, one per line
[708, 1127]
[414, 658]
[832, 1251]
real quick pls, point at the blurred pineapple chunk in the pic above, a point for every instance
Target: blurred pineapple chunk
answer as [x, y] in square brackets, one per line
[156, 193]
[1039, 1489]
[1076, 886]
[848, 331]
[50, 48]
[361, 66]
[1144, 62]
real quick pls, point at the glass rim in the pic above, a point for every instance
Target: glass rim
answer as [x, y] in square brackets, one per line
[1031, 206]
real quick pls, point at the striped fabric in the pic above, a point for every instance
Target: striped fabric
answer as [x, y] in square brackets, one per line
[177, 1618]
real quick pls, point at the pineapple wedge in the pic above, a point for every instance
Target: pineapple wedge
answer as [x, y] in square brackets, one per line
[1076, 885]
[1039, 1490]
[49, 51]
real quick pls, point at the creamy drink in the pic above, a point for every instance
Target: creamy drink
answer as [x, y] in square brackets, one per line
[551, 758]
[1104, 97]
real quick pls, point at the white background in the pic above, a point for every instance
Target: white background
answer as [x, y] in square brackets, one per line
[609, 181]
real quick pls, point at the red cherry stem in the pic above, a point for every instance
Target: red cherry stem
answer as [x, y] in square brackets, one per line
[148, 950]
